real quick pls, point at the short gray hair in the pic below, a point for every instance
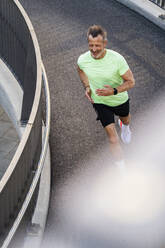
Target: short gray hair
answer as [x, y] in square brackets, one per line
[96, 30]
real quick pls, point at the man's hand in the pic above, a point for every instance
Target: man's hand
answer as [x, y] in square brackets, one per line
[88, 94]
[106, 91]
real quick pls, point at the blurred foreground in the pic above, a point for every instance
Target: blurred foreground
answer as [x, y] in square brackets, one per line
[105, 207]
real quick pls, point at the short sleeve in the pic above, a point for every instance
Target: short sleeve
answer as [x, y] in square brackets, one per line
[123, 65]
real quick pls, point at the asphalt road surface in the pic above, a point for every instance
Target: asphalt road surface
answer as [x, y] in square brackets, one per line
[76, 138]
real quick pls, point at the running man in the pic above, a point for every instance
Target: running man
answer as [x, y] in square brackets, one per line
[107, 77]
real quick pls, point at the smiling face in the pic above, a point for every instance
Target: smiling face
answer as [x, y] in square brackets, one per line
[97, 46]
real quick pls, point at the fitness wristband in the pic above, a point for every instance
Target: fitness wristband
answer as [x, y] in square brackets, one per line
[115, 91]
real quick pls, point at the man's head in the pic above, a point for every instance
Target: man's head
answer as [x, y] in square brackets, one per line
[97, 41]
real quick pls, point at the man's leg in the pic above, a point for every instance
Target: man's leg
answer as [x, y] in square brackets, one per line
[115, 146]
[125, 130]
[106, 116]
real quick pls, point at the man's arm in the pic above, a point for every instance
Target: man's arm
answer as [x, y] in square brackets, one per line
[83, 77]
[84, 80]
[128, 83]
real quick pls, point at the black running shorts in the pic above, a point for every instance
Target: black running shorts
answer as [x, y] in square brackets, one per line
[106, 113]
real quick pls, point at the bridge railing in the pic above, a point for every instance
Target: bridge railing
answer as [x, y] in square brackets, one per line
[160, 3]
[20, 51]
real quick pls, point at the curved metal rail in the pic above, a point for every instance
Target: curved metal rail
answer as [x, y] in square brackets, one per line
[40, 165]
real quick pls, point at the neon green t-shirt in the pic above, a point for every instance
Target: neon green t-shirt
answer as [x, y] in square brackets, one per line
[105, 71]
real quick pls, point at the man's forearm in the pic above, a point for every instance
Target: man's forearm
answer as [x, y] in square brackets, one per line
[83, 78]
[107, 90]
[126, 86]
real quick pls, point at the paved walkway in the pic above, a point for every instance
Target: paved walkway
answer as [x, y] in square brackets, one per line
[9, 141]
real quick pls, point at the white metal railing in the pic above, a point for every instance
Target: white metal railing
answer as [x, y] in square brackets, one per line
[39, 167]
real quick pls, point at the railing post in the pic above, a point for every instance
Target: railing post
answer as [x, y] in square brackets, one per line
[163, 4]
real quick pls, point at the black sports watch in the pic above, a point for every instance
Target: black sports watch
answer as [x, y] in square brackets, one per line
[115, 91]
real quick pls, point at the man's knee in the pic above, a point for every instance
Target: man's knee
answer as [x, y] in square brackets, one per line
[112, 134]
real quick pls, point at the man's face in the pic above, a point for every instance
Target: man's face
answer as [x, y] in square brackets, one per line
[96, 46]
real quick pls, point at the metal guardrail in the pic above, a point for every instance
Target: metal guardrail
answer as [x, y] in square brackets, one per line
[39, 166]
[18, 51]
[17, 37]
[160, 3]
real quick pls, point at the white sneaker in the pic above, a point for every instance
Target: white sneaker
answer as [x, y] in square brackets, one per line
[125, 132]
